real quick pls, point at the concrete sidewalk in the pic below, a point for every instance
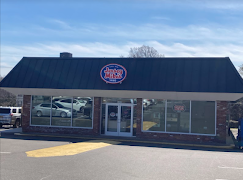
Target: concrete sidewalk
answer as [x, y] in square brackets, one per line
[229, 141]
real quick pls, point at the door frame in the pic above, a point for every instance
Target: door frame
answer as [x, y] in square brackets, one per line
[118, 133]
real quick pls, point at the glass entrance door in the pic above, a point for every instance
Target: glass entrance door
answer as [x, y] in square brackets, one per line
[119, 119]
[112, 119]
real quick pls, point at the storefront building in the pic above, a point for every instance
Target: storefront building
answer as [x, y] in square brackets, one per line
[163, 99]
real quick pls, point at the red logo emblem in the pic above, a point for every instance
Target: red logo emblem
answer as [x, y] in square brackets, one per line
[113, 73]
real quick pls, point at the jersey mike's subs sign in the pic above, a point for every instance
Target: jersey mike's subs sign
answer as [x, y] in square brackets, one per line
[113, 73]
[179, 108]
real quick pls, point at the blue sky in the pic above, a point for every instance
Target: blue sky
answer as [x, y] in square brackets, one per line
[109, 28]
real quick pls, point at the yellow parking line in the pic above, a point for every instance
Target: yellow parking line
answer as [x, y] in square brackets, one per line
[70, 149]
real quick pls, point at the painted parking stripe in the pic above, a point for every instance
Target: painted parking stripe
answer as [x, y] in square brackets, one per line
[5, 152]
[70, 149]
[229, 167]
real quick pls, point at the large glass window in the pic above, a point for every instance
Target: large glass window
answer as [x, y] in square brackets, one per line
[153, 115]
[203, 117]
[84, 113]
[41, 110]
[178, 116]
[62, 111]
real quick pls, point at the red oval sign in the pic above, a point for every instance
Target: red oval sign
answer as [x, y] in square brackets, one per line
[113, 73]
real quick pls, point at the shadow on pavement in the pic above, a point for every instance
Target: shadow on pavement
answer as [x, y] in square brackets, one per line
[123, 142]
[10, 129]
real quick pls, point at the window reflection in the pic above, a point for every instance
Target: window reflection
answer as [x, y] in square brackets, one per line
[41, 110]
[84, 107]
[178, 112]
[61, 111]
[203, 117]
[153, 115]
[178, 116]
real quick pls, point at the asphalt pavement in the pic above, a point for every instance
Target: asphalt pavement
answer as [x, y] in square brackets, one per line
[121, 160]
[230, 140]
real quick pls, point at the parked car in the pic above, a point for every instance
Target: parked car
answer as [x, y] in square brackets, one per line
[57, 110]
[10, 116]
[77, 104]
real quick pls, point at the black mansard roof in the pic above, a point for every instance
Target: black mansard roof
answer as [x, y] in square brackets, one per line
[143, 74]
[160, 78]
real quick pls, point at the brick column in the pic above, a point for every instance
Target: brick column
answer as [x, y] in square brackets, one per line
[97, 114]
[222, 112]
[139, 116]
[26, 112]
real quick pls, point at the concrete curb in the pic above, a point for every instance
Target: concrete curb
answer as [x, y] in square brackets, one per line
[128, 140]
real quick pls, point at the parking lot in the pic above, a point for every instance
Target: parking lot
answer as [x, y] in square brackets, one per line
[89, 159]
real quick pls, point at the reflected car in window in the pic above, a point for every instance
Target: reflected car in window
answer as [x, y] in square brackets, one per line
[83, 99]
[44, 109]
[77, 104]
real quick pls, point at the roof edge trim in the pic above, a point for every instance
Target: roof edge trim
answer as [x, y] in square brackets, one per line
[197, 96]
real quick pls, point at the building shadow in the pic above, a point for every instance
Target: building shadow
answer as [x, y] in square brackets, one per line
[122, 142]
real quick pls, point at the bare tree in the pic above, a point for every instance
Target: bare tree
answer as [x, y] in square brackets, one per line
[144, 51]
[236, 109]
[6, 98]
[241, 70]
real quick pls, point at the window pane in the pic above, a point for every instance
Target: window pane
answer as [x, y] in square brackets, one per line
[112, 118]
[61, 112]
[40, 113]
[125, 119]
[14, 110]
[153, 115]
[203, 117]
[178, 116]
[84, 115]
